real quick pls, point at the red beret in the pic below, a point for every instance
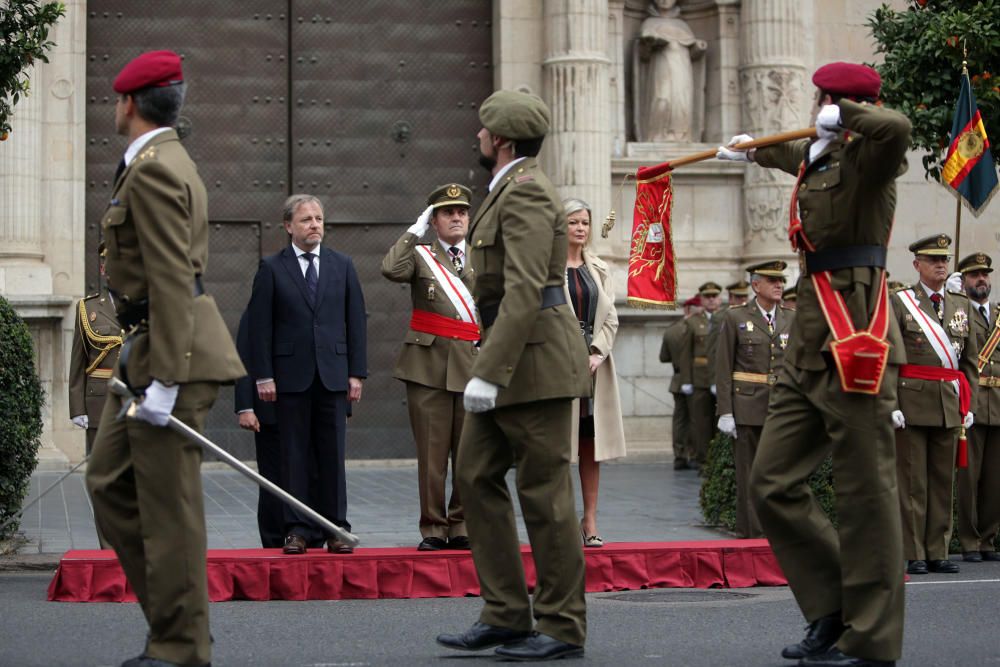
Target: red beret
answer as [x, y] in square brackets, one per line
[153, 68]
[848, 79]
[693, 301]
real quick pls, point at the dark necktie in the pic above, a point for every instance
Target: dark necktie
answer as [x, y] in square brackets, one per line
[119, 169]
[936, 300]
[982, 311]
[455, 258]
[312, 279]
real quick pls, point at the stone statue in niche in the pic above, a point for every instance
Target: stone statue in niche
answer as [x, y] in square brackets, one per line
[669, 75]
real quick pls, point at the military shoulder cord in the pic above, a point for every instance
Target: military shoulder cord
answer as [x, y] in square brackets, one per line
[991, 344]
[96, 340]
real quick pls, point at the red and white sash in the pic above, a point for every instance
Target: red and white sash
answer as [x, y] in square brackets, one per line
[453, 287]
[933, 331]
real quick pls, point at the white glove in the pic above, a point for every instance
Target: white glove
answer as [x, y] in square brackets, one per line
[419, 228]
[727, 425]
[969, 420]
[898, 420]
[828, 122]
[725, 153]
[480, 395]
[158, 403]
[687, 389]
[954, 282]
[83, 421]
[713, 389]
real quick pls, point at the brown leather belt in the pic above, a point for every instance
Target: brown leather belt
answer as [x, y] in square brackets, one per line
[989, 381]
[101, 373]
[701, 361]
[756, 378]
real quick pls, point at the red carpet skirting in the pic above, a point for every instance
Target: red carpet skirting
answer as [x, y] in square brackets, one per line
[267, 574]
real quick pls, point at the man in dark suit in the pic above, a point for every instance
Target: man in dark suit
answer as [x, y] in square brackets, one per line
[261, 418]
[308, 353]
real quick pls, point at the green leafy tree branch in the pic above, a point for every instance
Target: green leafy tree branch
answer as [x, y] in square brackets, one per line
[24, 25]
[923, 47]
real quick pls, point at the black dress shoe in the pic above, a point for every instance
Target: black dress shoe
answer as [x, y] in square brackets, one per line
[916, 567]
[146, 661]
[481, 636]
[972, 557]
[539, 647]
[459, 542]
[942, 566]
[294, 545]
[836, 658]
[990, 555]
[821, 635]
[335, 546]
[432, 544]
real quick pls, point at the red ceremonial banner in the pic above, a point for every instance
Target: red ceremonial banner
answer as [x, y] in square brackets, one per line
[652, 275]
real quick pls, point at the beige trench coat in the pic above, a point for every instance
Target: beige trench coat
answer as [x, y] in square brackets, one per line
[609, 440]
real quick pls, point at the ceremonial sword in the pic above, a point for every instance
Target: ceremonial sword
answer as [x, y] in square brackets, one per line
[128, 409]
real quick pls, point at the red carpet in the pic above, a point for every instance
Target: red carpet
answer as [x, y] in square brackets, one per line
[267, 574]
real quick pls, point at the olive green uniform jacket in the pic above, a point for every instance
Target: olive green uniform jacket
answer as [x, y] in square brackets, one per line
[671, 350]
[97, 340]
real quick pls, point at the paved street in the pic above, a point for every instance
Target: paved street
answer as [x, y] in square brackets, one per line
[639, 502]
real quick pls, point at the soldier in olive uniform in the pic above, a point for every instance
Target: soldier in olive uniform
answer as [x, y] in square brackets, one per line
[437, 353]
[979, 483]
[936, 334]
[145, 478]
[671, 351]
[752, 341]
[847, 580]
[696, 360]
[738, 293]
[531, 364]
[97, 339]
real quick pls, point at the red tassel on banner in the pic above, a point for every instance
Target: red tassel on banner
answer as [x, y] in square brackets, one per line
[652, 275]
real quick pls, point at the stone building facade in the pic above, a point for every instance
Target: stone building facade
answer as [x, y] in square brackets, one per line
[749, 70]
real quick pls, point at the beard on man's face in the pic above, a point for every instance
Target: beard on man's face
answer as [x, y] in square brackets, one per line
[978, 292]
[488, 162]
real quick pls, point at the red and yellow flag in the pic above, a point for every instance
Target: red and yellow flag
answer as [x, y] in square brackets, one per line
[969, 171]
[652, 275]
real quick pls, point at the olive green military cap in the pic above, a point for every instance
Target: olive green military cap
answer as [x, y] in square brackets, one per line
[515, 115]
[977, 261]
[710, 289]
[790, 294]
[773, 268]
[739, 288]
[935, 245]
[451, 194]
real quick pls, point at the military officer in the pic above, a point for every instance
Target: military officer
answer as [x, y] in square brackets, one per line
[437, 353]
[696, 359]
[532, 363]
[738, 293]
[789, 297]
[752, 341]
[671, 351]
[938, 343]
[97, 339]
[144, 478]
[979, 483]
[848, 580]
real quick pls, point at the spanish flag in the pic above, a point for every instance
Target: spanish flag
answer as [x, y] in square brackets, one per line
[968, 170]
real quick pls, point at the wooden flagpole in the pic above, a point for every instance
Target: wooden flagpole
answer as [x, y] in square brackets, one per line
[805, 133]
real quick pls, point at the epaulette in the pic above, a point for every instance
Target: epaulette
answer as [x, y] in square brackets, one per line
[957, 293]
[899, 288]
[786, 308]
[739, 305]
[91, 296]
[147, 154]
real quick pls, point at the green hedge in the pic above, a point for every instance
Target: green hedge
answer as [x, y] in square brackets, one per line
[21, 401]
[718, 485]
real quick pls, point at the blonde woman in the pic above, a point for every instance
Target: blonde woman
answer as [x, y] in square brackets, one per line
[598, 434]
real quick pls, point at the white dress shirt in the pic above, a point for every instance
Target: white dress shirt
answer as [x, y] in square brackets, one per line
[500, 174]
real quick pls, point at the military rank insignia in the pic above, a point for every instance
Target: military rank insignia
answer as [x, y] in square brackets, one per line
[959, 324]
[750, 327]
[431, 292]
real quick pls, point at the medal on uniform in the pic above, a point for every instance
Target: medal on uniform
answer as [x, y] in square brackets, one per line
[959, 324]
[93, 317]
[431, 292]
[783, 340]
[750, 327]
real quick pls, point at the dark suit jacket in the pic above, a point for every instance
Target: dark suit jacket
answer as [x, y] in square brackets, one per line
[246, 387]
[294, 339]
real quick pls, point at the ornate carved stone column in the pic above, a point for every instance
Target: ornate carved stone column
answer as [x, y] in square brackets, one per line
[773, 82]
[577, 88]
